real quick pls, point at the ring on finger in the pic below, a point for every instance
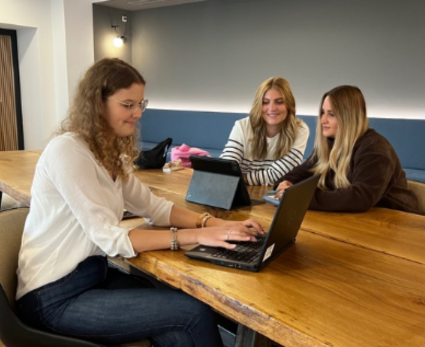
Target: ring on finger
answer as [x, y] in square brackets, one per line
[228, 234]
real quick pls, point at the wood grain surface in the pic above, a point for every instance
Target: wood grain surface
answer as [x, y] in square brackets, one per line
[350, 280]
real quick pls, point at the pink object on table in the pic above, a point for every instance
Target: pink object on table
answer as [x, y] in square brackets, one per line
[183, 153]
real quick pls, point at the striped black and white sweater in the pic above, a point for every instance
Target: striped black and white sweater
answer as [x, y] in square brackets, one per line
[263, 172]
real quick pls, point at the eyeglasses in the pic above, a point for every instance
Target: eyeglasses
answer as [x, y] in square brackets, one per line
[134, 107]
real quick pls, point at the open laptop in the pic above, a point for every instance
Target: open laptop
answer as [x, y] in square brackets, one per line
[218, 183]
[287, 220]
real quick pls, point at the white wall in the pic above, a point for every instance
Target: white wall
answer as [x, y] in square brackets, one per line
[55, 46]
[213, 55]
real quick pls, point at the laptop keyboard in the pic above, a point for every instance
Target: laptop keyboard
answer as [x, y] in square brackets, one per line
[245, 251]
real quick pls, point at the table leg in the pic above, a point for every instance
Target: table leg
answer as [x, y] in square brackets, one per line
[1, 193]
[246, 337]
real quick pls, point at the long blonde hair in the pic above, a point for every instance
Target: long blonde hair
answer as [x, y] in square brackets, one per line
[85, 118]
[349, 108]
[288, 130]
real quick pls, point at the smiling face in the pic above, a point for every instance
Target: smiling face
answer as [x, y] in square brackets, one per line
[328, 120]
[274, 111]
[119, 109]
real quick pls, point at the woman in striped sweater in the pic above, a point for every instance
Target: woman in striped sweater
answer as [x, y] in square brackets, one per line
[271, 141]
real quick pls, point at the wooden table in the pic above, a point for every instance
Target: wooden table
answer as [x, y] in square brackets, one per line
[320, 292]
[16, 173]
[350, 280]
[379, 229]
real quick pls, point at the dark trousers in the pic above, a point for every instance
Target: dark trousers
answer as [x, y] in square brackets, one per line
[88, 304]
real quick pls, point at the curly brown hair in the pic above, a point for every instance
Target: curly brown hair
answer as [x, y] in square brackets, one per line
[84, 118]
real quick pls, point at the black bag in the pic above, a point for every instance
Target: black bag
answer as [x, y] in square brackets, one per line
[154, 158]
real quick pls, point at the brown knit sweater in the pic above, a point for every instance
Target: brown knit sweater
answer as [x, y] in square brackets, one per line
[376, 178]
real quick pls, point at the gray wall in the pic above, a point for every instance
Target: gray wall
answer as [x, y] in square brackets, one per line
[213, 55]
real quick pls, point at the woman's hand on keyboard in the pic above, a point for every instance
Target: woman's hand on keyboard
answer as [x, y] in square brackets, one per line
[218, 236]
[230, 224]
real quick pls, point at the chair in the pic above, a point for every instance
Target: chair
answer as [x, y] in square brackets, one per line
[13, 332]
[7, 202]
[419, 189]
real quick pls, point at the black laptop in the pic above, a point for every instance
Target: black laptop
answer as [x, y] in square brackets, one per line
[218, 183]
[286, 222]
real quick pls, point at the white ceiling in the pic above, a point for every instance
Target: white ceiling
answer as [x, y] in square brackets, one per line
[136, 5]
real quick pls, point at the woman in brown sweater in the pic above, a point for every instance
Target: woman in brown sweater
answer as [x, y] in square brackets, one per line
[358, 167]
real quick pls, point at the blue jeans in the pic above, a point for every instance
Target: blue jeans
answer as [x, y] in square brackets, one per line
[83, 305]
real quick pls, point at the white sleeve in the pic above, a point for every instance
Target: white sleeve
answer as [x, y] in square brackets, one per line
[281, 167]
[139, 200]
[234, 149]
[93, 201]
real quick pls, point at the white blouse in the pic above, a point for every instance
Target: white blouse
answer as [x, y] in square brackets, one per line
[75, 213]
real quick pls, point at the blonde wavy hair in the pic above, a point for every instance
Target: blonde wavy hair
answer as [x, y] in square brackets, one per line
[85, 118]
[289, 126]
[349, 109]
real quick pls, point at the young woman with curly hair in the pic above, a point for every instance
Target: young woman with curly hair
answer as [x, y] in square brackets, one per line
[271, 141]
[358, 167]
[82, 184]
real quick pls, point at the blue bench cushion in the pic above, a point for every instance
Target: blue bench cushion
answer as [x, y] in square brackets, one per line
[210, 131]
[205, 130]
[415, 175]
[407, 138]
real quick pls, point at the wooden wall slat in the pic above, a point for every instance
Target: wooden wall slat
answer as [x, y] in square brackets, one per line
[8, 118]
